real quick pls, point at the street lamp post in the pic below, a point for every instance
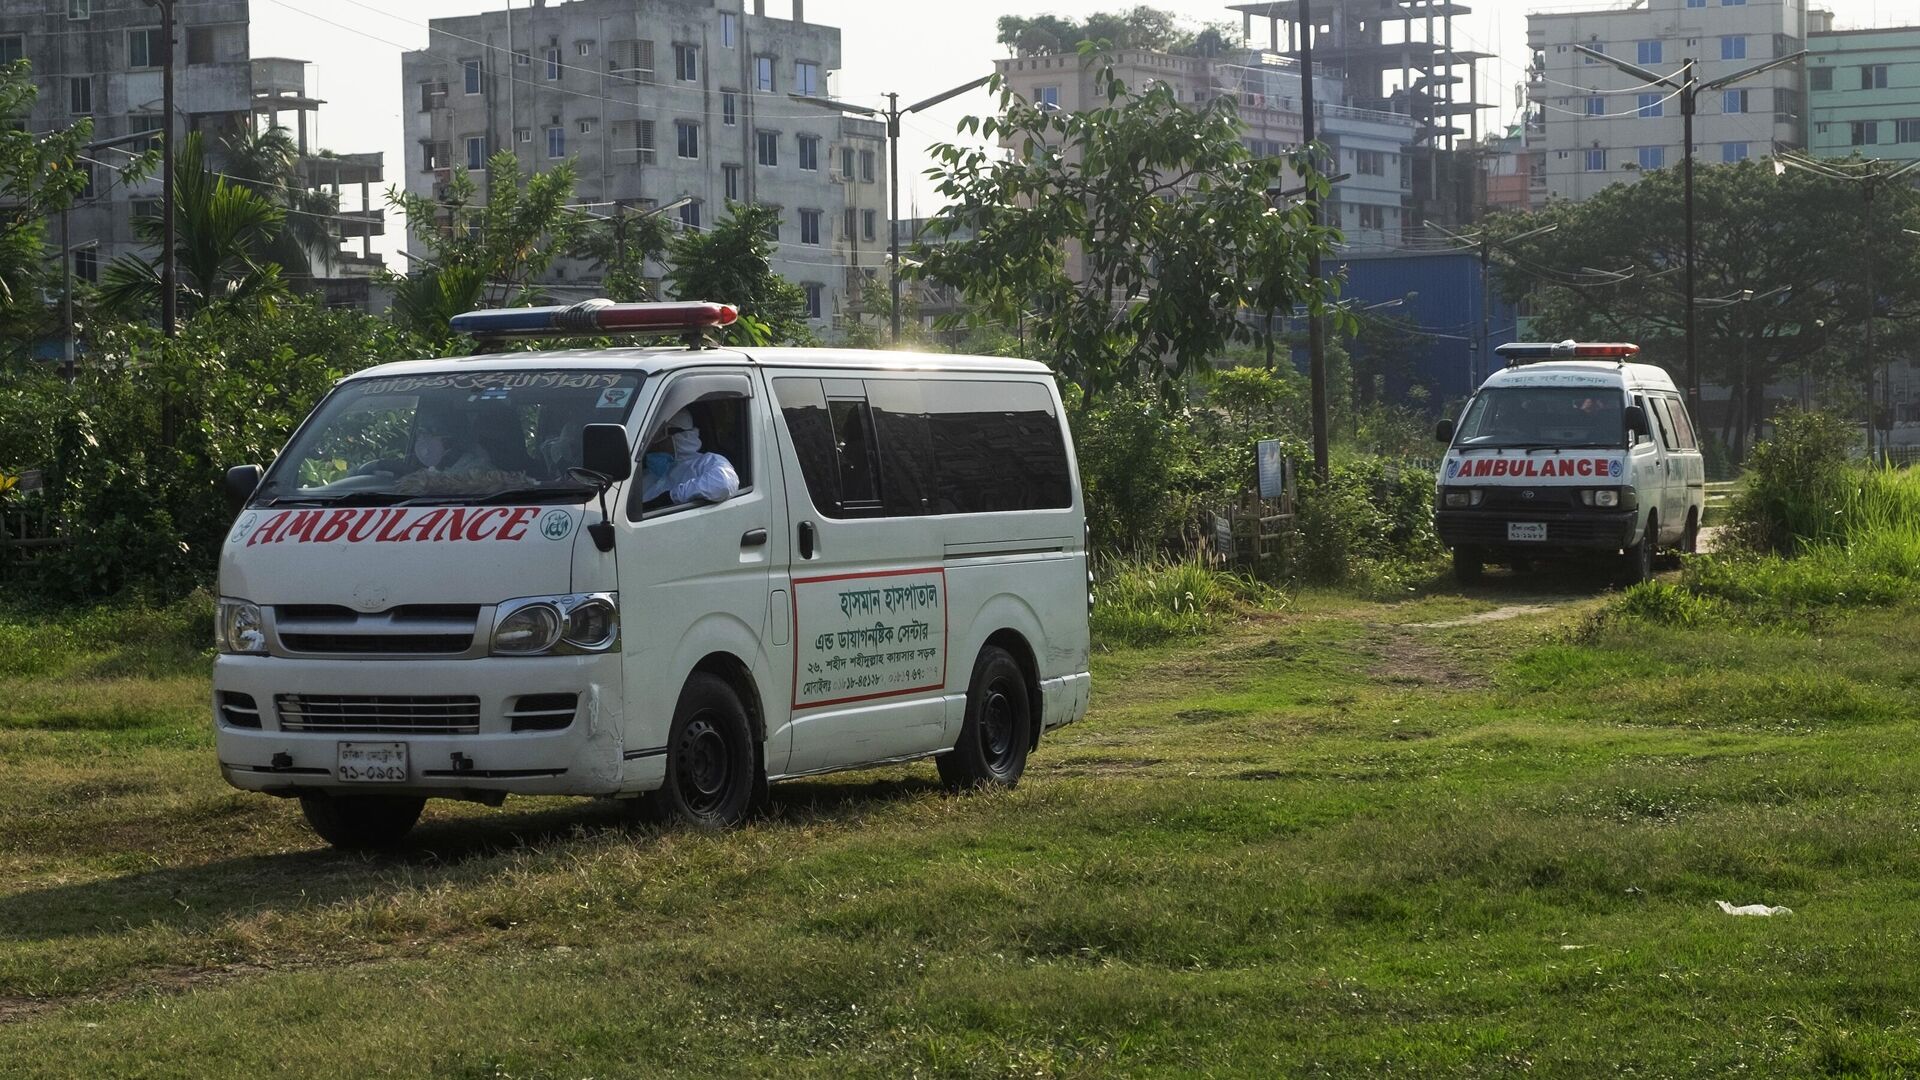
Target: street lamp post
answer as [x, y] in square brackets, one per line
[892, 114]
[1688, 86]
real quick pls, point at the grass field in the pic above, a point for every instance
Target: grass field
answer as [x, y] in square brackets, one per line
[1336, 838]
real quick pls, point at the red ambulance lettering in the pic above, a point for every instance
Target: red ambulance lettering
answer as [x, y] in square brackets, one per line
[450, 528]
[265, 533]
[302, 525]
[367, 524]
[423, 526]
[475, 524]
[516, 524]
[1585, 468]
[391, 530]
[335, 526]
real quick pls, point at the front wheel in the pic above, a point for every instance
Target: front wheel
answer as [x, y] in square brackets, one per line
[1636, 565]
[992, 751]
[713, 771]
[361, 822]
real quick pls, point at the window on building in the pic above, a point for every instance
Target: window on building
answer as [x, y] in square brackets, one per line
[690, 214]
[523, 136]
[556, 142]
[686, 138]
[553, 64]
[1047, 97]
[1652, 105]
[79, 9]
[763, 74]
[1371, 217]
[847, 223]
[809, 153]
[1873, 76]
[773, 225]
[729, 29]
[1369, 162]
[1653, 157]
[1732, 152]
[815, 294]
[1596, 106]
[686, 63]
[866, 166]
[806, 77]
[1733, 3]
[1733, 47]
[1596, 46]
[1866, 133]
[522, 58]
[470, 74]
[1596, 161]
[869, 224]
[1820, 78]
[143, 48]
[766, 148]
[87, 191]
[1733, 101]
[846, 163]
[810, 226]
[643, 139]
[584, 48]
[199, 45]
[80, 95]
[86, 266]
[139, 122]
[586, 126]
[1906, 130]
[1649, 52]
[476, 152]
[730, 177]
[13, 47]
[729, 108]
[1696, 3]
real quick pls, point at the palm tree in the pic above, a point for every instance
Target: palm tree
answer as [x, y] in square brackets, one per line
[223, 232]
[268, 161]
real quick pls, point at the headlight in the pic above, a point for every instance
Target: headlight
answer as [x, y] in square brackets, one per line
[1462, 497]
[577, 623]
[238, 627]
[1609, 498]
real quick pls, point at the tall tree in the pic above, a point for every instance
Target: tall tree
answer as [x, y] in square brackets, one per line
[1128, 239]
[731, 262]
[620, 246]
[1140, 27]
[268, 161]
[510, 237]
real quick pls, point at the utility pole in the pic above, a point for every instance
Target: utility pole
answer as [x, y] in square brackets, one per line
[892, 114]
[1478, 366]
[169, 291]
[1688, 87]
[1316, 328]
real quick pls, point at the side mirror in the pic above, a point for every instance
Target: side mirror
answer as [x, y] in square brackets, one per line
[1636, 421]
[604, 450]
[1443, 431]
[242, 480]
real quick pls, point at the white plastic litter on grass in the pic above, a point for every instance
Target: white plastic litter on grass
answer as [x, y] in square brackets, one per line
[1752, 909]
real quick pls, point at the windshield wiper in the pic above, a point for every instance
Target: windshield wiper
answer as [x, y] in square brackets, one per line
[524, 494]
[345, 498]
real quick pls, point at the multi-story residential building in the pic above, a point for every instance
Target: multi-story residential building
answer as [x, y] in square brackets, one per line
[279, 88]
[1863, 93]
[674, 101]
[1594, 125]
[1512, 172]
[103, 59]
[1370, 146]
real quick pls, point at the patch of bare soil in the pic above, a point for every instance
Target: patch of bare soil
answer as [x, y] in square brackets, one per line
[1405, 659]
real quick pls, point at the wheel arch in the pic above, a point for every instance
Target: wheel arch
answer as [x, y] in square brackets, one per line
[736, 673]
[1016, 645]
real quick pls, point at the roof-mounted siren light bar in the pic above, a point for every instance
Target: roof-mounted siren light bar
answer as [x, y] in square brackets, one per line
[590, 317]
[1521, 352]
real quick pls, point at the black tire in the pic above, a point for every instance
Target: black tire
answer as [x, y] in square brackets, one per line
[998, 730]
[1636, 564]
[713, 766]
[361, 822]
[1690, 540]
[1468, 565]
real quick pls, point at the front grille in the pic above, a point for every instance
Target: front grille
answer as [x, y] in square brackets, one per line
[410, 629]
[1468, 528]
[1541, 499]
[239, 710]
[384, 715]
[543, 712]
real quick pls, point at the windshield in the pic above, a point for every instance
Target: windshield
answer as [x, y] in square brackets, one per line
[1544, 416]
[468, 436]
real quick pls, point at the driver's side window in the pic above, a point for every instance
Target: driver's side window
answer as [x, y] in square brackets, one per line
[694, 456]
[375, 434]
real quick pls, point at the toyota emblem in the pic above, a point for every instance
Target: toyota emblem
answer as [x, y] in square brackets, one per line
[1527, 494]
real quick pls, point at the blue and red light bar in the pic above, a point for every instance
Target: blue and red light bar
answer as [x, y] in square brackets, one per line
[1520, 351]
[591, 317]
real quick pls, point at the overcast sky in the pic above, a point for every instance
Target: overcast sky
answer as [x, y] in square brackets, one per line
[915, 47]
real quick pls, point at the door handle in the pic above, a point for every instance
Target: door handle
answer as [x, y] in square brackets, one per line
[806, 539]
[753, 538]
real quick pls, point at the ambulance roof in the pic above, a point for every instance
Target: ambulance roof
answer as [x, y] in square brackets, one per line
[1583, 373]
[671, 357]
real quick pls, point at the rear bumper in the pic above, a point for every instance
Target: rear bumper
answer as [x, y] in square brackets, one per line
[1584, 532]
[584, 758]
[1063, 700]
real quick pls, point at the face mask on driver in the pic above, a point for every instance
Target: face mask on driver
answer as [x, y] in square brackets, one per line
[430, 449]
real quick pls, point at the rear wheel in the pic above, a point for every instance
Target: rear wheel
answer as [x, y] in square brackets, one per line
[713, 771]
[1690, 542]
[992, 751]
[1468, 564]
[361, 822]
[1636, 565]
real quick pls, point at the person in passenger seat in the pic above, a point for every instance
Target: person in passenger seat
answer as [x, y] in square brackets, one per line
[677, 471]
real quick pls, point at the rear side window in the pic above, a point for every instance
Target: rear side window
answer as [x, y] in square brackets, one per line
[906, 448]
[1679, 423]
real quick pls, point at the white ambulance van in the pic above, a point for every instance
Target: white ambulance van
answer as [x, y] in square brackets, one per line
[1573, 451]
[481, 576]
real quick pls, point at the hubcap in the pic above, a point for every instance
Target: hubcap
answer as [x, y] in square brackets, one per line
[996, 724]
[702, 764]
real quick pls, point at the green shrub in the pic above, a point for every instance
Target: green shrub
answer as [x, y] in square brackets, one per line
[1143, 602]
[1796, 483]
[1669, 605]
[1371, 518]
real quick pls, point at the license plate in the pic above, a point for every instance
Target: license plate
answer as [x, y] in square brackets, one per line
[372, 763]
[1526, 530]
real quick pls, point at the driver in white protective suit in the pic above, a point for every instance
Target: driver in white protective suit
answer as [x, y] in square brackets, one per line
[678, 471]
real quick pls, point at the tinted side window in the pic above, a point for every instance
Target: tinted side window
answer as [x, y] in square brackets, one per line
[1682, 424]
[1653, 420]
[909, 473]
[998, 446]
[859, 466]
[804, 408]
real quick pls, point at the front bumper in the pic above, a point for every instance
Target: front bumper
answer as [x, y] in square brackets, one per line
[1585, 531]
[584, 758]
